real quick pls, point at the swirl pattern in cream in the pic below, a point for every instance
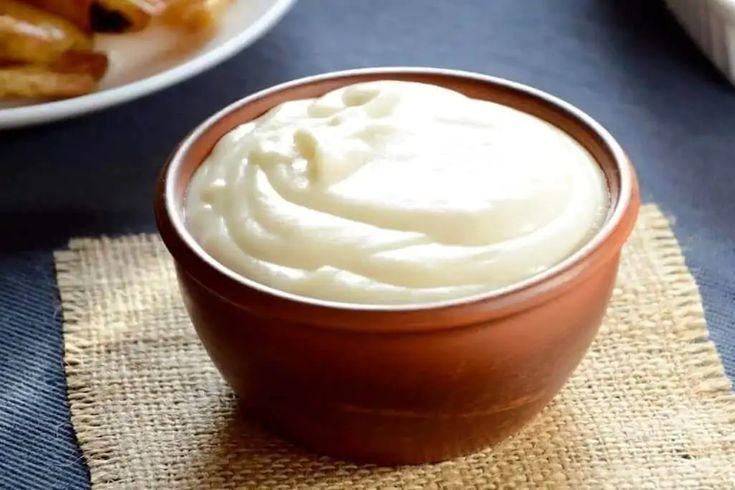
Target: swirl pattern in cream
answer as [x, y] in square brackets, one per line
[394, 193]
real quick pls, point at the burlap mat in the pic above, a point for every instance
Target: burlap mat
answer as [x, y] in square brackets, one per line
[649, 407]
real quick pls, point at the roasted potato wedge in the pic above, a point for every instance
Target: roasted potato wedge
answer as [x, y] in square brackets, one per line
[23, 41]
[194, 15]
[82, 62]
[153, 7]
[119, 15]
[37, 82]
[75, 11]
[46, 46]
[20, 18]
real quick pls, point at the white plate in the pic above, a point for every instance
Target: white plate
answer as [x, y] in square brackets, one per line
[152, 67]
[711, 24]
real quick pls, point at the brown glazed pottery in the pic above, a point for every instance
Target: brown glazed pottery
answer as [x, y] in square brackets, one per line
[399, 384]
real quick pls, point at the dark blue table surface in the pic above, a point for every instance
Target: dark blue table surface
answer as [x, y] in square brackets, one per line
[624, 62]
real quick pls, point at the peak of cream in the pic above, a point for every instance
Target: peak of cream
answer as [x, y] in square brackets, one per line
[393, 192]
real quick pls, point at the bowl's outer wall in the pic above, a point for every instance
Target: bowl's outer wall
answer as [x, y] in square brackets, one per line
[397, 387]
[402, 397]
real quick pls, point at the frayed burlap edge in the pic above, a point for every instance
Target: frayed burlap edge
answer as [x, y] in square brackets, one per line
[707, 376]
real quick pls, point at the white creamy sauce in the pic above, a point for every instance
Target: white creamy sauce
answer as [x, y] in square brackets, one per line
[394, 193]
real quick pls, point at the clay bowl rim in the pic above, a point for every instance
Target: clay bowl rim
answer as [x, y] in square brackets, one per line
[493, 303]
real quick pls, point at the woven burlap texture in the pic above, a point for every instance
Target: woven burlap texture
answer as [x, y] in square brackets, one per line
[649, 407]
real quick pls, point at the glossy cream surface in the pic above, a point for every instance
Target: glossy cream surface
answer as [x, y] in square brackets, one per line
[394, 192]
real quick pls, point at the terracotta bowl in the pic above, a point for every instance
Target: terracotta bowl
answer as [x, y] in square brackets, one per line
[399, 384]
